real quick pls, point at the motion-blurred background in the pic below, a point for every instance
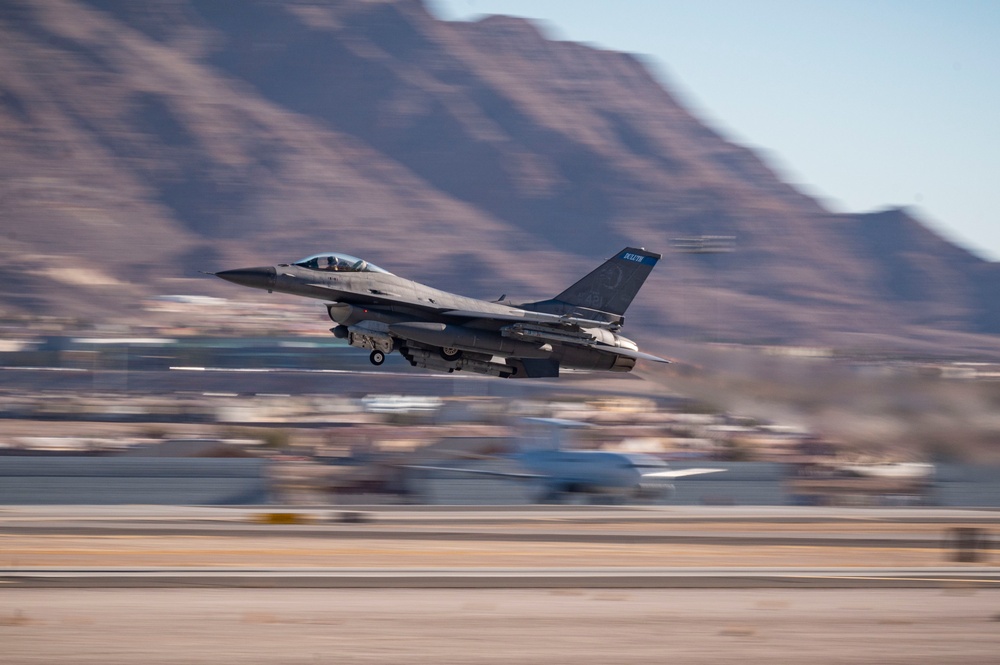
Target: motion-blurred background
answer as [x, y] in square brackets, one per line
[145, 142]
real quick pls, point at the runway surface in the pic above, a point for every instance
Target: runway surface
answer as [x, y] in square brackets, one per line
[574, 584]
[571, 546]
[528, 627]
[508, 578]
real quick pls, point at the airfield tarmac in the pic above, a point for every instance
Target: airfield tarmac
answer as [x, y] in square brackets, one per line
[581, 626]
[523, 546]
[569, 584]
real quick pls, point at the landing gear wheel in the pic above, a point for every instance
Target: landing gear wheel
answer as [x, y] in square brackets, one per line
[450, 354]
[377, 357]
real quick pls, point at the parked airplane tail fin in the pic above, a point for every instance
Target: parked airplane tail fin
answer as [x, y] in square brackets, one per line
[612, 287]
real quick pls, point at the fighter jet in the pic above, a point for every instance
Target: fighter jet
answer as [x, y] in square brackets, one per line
[437, 330]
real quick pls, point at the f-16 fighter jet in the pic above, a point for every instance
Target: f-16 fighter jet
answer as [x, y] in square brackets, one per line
[382, 312]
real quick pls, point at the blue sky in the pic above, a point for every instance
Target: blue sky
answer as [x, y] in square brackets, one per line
[864, 104]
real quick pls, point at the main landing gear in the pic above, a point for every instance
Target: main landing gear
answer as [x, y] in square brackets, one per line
[450, 354]
[377, 357]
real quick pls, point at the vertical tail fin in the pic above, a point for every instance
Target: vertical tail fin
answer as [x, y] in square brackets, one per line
[611, 287]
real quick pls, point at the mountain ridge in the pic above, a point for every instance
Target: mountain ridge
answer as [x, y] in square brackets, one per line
[481, 157]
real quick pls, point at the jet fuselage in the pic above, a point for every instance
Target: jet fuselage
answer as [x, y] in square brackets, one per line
[435, 329]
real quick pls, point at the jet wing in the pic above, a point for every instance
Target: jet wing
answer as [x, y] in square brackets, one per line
[554, 319]
[532, 317]
[509, 313]
[679, 473]
[479, 472]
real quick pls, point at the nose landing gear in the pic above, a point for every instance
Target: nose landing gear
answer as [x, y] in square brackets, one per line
[377, 357]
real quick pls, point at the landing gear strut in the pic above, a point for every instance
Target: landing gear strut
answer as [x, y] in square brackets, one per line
[377, 357]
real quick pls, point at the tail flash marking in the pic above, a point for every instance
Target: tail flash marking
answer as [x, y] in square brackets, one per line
[612, 287]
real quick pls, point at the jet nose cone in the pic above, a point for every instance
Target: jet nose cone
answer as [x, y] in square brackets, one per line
[257, 278]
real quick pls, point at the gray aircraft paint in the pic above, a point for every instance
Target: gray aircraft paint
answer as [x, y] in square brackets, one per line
[438, 330]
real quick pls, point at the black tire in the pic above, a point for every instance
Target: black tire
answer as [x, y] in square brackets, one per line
[454, 355]
[377, 357]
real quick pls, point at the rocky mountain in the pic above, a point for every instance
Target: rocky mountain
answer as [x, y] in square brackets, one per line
[143, 142]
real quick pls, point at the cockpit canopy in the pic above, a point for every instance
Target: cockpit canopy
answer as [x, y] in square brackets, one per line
[334, 262]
